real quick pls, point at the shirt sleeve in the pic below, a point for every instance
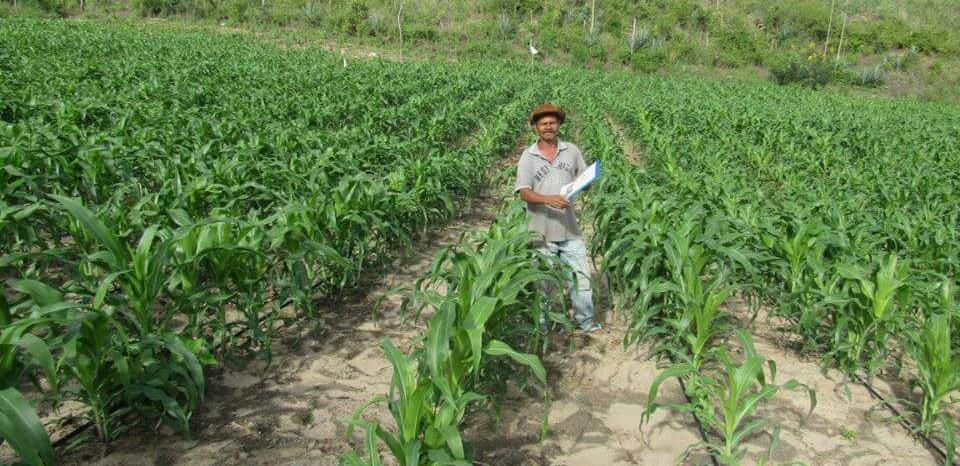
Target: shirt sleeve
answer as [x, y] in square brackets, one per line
[524, 174]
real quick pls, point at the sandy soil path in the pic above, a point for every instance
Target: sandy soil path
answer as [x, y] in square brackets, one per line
[598, 395]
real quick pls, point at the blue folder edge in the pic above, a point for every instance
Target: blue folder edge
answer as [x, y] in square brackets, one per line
[599, 171]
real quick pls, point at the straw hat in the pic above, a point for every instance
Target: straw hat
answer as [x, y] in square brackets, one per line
[546, 109]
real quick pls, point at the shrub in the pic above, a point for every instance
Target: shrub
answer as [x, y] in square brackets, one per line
[57, 7]
[156, 7]
[735, 44]
[240, 10]
[506, 26]
[684, 49]
[646, 53]
[515, 6]
[420, 32]
[811, 16]
[203, 8]
[579, 52]
[648, 59]
[785, 32]
[866, 76]
[934, 40]
[893, 34]
[353, 20]
[812, 71]
[487, 48]
[689, 13]
[902, 61]
[378, 22]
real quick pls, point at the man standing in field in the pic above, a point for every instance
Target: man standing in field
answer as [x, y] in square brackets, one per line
[544, 168]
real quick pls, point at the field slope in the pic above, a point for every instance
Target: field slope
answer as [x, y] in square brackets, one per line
[215, 249]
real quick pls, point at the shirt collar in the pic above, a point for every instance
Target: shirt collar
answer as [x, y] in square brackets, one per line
[535, 149]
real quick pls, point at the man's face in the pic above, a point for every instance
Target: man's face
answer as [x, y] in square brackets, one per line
[547, 128]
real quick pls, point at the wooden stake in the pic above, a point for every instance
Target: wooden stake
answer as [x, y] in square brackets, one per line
[400, 26]
[633, 36]
[593, 14]
[826, 45]
[840, 45]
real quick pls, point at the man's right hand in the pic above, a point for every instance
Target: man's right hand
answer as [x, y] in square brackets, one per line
[556, 201]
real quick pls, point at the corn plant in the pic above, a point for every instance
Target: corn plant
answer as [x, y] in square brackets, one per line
[678, 280]
[491, 296]
[322, 177]
[870, 310]
[938, 371]
[114, 351]
[19, 425]
[733, 397]
[21, 428]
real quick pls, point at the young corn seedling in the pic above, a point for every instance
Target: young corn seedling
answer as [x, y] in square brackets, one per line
[689, 332]
[938, 372]
[140, 272]
[730, 399]
[118, 351]
[701, 325]
[691, 321]
[871, 312]
[489, 291]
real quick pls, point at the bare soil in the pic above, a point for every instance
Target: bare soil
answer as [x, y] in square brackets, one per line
[847, 426]
[631, 152]
[599, 391]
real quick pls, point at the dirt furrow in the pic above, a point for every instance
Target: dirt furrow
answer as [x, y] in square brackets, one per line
[598, 392]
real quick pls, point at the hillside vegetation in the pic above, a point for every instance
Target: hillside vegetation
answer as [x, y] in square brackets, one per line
[890, 47]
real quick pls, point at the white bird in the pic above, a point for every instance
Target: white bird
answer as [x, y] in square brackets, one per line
[343, 55]
[533, 51]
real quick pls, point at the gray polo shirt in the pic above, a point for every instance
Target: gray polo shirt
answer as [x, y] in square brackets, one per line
[535, 172]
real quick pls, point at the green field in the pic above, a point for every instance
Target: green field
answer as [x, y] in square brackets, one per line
[173, 199]
[896, 48]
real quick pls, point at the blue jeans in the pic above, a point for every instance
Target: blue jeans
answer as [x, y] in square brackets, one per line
[573, 252]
